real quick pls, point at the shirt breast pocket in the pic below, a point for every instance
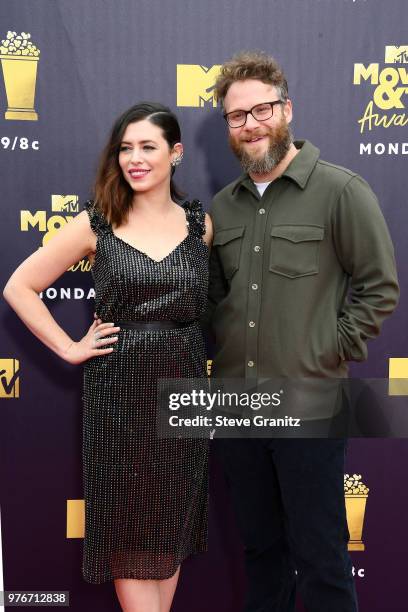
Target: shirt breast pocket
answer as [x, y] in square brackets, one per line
[228, 242]
[295, 250]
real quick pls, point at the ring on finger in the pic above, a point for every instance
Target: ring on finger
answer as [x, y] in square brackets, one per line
[97, 339]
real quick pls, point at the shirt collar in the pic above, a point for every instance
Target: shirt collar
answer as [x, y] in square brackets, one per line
[299, 169]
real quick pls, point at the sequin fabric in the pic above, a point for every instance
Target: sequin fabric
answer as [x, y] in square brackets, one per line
[146, 498]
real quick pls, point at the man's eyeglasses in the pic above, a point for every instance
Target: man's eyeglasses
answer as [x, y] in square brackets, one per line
[260, 112]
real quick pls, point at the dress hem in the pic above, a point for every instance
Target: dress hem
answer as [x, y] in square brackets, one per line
[132, 575]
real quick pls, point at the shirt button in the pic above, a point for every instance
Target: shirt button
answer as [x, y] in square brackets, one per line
[252, 324]
[257, 248]
[254, 286]
[251, 364]
[261, 211]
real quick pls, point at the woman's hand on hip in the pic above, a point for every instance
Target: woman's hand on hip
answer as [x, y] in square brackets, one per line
[94, 344]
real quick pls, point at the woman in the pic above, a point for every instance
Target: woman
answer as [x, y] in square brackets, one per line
[145, 497]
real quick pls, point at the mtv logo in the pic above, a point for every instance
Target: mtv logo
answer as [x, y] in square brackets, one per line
[75, 518]
[396, 55]
[64, 203]
[9, 378]
[195, 84]
[398, 376]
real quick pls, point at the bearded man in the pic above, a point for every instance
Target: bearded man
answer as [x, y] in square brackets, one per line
[302, 274]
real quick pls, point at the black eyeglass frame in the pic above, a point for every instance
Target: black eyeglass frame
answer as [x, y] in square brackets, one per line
[225, 115]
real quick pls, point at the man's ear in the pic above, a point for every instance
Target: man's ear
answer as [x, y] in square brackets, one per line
[288, 111]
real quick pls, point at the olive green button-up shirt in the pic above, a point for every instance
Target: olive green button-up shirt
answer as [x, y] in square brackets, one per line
[301, 277]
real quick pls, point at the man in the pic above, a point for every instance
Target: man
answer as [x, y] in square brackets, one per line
[292, 237]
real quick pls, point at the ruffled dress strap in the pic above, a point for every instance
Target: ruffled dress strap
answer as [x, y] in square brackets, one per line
[195, 217]
[98, 223]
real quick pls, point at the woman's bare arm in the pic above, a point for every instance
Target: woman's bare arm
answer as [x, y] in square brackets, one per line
[70, 244]
[208, 236]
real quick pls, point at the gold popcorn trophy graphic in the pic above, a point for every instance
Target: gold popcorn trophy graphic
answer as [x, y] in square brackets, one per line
[19, 60]
[356, 494]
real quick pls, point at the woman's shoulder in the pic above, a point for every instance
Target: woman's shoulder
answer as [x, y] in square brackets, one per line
[97, 220]
[195, 216]
[200, 221]
[193, 205]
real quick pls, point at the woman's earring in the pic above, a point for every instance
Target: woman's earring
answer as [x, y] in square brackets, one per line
[177, 161]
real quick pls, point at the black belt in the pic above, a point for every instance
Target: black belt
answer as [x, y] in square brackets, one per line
[152, 325]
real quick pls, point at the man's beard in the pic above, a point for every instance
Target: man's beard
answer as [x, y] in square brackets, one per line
[280, 139]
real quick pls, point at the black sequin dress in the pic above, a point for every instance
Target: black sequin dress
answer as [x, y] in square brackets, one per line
[146, 497]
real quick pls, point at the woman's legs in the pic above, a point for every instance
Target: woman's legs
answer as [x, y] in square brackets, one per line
[138, 595]
[146, 595]
[167, 589]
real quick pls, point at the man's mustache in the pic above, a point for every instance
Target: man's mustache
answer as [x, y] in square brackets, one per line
[254, 134]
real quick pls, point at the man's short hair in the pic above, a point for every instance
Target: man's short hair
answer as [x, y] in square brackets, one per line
[250, 65]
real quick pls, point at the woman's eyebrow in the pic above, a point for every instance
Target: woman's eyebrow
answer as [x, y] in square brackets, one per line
[141, 141]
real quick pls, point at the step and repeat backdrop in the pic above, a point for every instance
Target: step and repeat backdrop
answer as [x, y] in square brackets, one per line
[68, 69]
